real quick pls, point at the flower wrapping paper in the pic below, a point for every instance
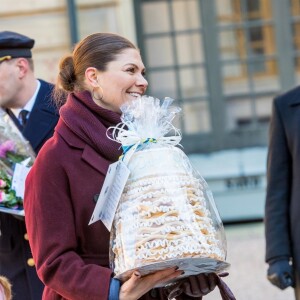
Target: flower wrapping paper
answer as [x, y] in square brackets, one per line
[14, 149]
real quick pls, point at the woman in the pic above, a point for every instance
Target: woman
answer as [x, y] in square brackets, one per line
[104, 71]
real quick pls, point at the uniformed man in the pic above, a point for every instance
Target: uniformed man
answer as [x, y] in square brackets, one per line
[28, 102]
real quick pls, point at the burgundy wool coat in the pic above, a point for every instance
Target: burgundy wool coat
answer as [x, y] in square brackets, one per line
[72, 257]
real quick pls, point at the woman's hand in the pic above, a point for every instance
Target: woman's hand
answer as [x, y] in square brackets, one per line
[136, 286]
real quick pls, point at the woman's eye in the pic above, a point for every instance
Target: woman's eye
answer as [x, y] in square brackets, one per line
[131, 70]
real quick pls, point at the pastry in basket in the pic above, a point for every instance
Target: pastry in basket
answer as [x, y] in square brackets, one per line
[163, 214]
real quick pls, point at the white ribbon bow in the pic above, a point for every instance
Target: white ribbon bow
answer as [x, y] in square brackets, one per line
[130, 138]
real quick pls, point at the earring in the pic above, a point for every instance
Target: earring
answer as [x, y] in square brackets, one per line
[95, 98]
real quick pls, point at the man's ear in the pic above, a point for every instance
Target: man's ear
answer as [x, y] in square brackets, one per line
[23, 66]
[91, 75]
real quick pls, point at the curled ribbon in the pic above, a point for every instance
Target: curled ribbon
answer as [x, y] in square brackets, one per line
[129, 138]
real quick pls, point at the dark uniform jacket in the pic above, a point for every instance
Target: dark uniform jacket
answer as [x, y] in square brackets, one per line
[15, 256]
[283, 192]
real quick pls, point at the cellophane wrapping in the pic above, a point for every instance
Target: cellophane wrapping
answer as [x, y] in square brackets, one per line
[166, 215]
[14, 149]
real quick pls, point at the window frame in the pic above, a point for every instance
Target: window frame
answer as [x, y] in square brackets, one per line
[257, 134]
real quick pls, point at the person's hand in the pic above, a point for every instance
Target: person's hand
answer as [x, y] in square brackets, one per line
[280, 273]
[199, 285]
[194, 286]
[136, 286]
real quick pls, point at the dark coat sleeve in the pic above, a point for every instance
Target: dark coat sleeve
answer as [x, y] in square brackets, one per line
[279, 168]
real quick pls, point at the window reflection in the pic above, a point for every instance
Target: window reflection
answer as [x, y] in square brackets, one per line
[244, 40]
[189, 48]
[196, 117]
[193, 82]
[163, 84]
[159, 51]
[153, 22]
[240, 112]
[186, 14]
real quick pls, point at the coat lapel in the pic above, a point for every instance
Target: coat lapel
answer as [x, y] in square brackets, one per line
[89, 155]
[43, 117]
[14, 118]
[294, 97]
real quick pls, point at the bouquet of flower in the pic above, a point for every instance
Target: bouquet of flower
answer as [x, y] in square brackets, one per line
[14, 149]
[8, 197]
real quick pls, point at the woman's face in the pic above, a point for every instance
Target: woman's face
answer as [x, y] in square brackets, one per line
[123, 80]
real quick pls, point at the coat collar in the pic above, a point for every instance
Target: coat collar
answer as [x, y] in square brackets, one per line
[89, 155]
[43, 117]
[291, 97]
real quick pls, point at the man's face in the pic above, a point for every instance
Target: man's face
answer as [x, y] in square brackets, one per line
[10, 83]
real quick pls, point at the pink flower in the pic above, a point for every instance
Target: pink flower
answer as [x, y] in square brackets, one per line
[2, 196]
[2, 183]
[5, 147]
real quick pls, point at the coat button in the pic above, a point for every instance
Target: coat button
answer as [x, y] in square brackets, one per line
[26, 236]
[30, 262]
[154, 293]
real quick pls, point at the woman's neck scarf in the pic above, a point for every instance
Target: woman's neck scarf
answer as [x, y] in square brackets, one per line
[89, 122]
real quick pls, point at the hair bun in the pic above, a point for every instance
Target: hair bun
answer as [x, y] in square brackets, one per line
[67, 77]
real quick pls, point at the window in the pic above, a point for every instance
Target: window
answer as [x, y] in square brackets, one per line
[248, 62]
[220, 61]
[172, 41]
[247, 34]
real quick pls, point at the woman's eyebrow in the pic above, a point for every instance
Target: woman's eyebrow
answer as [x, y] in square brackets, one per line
[135, 65]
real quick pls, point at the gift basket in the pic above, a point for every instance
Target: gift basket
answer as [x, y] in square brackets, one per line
[166, 215]
[16, 157]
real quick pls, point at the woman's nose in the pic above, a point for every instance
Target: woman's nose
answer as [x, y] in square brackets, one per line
[141, 81]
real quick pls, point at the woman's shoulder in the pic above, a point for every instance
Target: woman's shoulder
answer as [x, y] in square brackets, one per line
[49, 164]
[52, 148]
[54, 155]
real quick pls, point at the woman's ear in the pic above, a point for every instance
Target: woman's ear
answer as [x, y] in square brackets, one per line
[91, 75]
